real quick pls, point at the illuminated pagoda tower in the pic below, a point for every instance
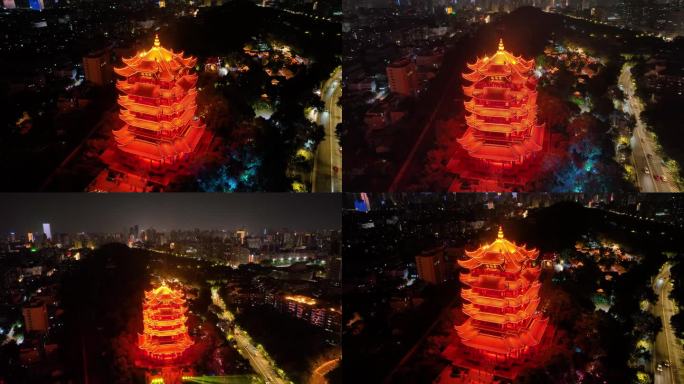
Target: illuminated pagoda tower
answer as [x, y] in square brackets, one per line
[158, 106]
[501, 296]
[165, 336]
[501, 110]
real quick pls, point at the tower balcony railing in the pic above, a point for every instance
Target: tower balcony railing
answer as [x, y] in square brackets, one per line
[150, 80]
[492, 103]
[498, 84]
[503, 310]
[160, 116]
[157, 101]
[493, 272]
[498, 293]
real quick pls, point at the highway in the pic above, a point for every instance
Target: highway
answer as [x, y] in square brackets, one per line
[666, 347]
[327, 170]
[644, 155]
[257, 360]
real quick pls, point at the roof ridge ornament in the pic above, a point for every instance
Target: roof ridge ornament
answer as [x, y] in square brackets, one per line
[501, 45]
[500, 235]
[156, 40]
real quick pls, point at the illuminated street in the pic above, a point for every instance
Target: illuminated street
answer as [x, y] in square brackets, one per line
[667, 347]
[327, 171]
[258, 361]
[644, 154]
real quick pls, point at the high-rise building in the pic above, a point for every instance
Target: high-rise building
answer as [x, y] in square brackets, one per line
[432, 265]
[165, 335]
[501, 110]
[402, 77]
[47, 231]
[158, 106]
[35, 316]
[241, 235]
[97, 67]
[501, 295]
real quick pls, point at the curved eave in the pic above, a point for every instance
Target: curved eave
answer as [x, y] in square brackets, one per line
[125, 71]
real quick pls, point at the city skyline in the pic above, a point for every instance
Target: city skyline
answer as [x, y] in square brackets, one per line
[72, 213]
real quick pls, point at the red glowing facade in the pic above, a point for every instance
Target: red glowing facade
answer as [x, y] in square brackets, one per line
[165, 335]
[158, 106]
[501, 110]
[501, 292]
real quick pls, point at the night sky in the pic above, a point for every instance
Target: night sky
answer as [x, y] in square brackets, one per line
[76, 212]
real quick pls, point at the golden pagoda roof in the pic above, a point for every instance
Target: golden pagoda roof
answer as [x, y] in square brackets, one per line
[501, 252]
[501, 63]
[158, 60]
[164, 293]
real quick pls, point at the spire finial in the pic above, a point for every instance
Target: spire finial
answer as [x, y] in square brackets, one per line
[500, 235]
[501, 46]
[156, 40]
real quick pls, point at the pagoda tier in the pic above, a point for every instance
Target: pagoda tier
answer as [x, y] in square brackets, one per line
[501, 110]
[158, 106]
[165, 335]
[502, 294]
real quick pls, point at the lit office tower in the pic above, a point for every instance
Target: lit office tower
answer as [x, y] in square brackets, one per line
[35, 316]
[432, 265]
[402, 77]
[97, 68]
[501, 110]
[47, 231]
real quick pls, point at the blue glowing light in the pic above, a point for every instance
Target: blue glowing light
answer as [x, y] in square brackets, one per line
[36, 4]
[360, 206]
